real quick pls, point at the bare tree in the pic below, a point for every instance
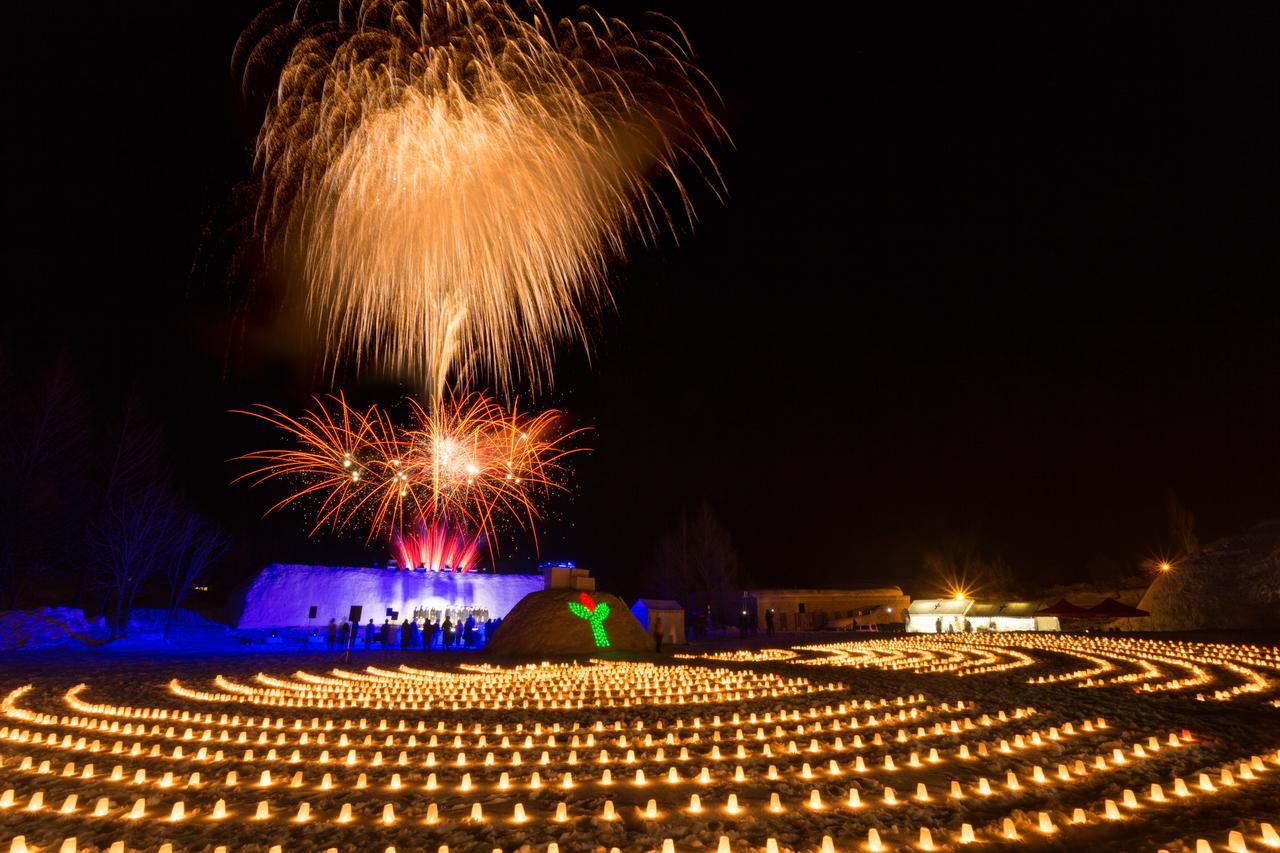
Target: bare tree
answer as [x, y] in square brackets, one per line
[197, 546]
[70, 483]
[960, 567]
[133, 539]
[1182, 526]
[671, 561]
[1104, 571]
[696, 558]
[44, 450]
[133, 457]
[998, 579]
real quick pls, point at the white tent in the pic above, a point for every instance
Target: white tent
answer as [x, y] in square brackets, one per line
[937, 615]
[1009, 616]
[652, 612]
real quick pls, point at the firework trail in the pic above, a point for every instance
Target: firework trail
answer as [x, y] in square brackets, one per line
[469, 463]
[456, 174]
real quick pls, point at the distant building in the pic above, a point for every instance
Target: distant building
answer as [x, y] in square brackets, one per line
[813, 609]
[650, 611]
[950, 615]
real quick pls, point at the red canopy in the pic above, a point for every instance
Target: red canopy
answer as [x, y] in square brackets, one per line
[1109, 608]
[1065, 610]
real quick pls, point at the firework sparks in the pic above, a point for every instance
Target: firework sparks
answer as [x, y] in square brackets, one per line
[435, 546]
[457, 173]
[471, 463]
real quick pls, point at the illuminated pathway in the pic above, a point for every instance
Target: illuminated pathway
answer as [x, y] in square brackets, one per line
[1214, 670]
[992, 743]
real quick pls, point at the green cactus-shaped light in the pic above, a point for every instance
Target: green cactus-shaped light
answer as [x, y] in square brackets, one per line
[594, 614]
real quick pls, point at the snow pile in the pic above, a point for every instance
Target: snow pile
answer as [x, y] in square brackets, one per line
[190, 630]
[67, 627]
[150, 620]
[1232, 583]
[1088, 594]
[543, 623]
[48, 628]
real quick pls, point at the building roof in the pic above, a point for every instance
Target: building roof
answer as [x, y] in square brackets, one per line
[890, 589]
[1010, 609]
[658, 604]
[939, 607]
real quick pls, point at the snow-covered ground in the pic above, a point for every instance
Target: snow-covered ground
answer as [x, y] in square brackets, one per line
[67, 628]
[1007, 735]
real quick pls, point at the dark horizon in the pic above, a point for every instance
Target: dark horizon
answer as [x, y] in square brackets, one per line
[998, 275]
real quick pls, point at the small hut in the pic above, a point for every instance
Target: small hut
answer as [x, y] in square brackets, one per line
[652, 612]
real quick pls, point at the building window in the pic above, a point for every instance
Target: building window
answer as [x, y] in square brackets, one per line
[800, 607]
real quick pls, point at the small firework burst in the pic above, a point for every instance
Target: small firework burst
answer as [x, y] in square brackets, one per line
[470, 464]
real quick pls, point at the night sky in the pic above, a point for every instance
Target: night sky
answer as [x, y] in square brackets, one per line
[1006, 273]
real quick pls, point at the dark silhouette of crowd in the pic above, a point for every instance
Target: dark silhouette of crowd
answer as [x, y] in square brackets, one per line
[468, 633]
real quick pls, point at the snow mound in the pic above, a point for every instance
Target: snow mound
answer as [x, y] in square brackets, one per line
[544, 623]
[153, 619]
[48, 628]
[1232, 583]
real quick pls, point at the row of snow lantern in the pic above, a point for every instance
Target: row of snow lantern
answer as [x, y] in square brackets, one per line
[983, 787]
[1235, 843]
[1188, 656]
[833, 769]
[515, 759]
[967, 835]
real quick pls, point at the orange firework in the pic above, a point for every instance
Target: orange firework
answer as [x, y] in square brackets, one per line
[471, 462]
[456, 174]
